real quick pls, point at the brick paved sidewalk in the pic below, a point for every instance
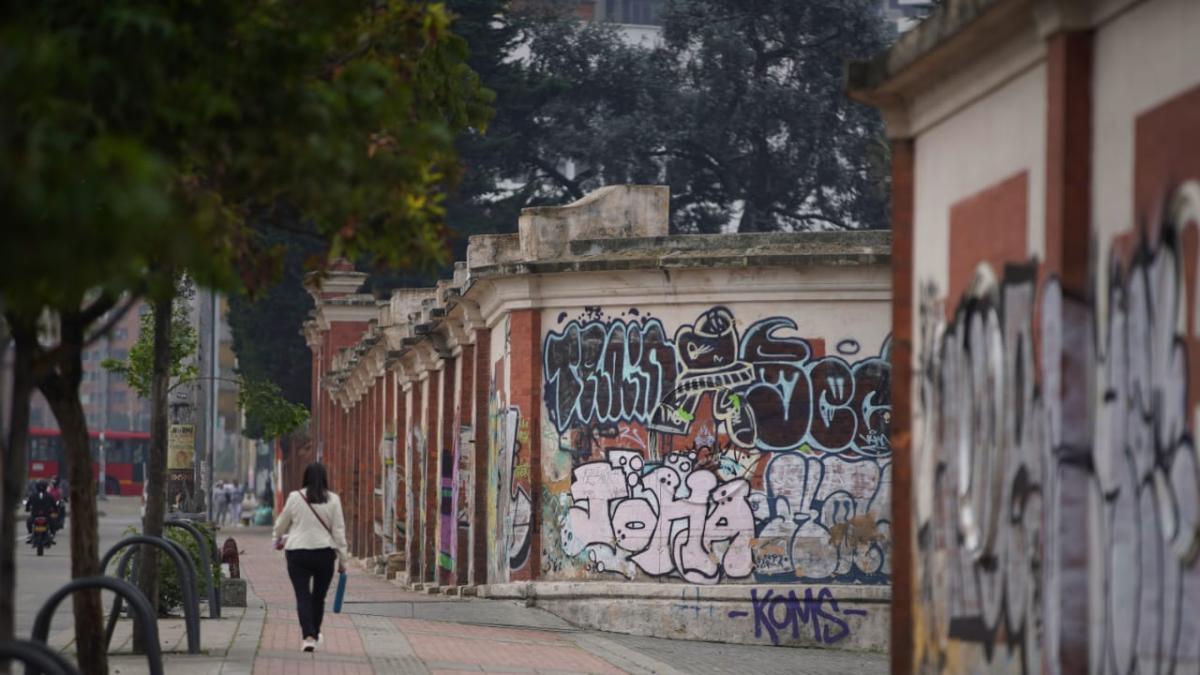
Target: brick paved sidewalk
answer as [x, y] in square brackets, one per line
[391, 630]
[361, 644]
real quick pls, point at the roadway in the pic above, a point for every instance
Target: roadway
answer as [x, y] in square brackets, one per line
[38, 577]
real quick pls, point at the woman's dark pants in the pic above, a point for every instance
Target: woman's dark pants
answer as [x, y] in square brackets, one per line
[311, 571]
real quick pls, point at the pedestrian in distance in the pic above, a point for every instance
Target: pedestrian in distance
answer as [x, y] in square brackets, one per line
[312, 532]
[220, 503]
[236, 495]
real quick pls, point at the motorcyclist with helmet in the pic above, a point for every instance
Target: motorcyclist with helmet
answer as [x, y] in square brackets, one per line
[40, 504]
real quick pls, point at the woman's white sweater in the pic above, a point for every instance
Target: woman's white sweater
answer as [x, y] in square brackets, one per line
[304, 531]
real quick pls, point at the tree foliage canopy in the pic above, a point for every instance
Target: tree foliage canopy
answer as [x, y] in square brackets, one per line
[137, 368]
[137, 137]
[738, 107]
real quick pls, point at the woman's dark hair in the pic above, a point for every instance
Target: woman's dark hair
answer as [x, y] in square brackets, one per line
[315, 483]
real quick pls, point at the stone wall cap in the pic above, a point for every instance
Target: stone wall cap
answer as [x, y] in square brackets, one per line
[956, 32]
[691, 251]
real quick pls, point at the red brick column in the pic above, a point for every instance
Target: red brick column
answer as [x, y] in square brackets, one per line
[446, 455]
[462, 416]
[903, 155]
[368, 468]
[429, 508]
[1068, 231]
[415, 473]
[402, 451]
[525, 335]
[357, 472]
[377, 462]
[479, 463]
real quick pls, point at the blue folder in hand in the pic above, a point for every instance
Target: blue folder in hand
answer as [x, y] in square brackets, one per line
[341, 593]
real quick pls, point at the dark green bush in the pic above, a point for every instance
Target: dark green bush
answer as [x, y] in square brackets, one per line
[170, 593]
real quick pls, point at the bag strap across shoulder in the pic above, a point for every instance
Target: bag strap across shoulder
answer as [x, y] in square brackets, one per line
[314, 512]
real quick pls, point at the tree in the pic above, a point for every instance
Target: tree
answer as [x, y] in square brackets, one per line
[763, 131]
[265, 338]
[136, 137]
[137, 368]
[739, 109]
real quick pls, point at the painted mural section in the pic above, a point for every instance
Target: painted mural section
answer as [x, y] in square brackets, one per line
[709, 445]
[509, 485]
[1046, 420]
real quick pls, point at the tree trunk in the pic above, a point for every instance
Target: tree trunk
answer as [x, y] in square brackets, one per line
[60, 385]
[13, 448]
[156, 476]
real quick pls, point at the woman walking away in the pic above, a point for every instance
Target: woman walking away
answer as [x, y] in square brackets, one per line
[313, 532]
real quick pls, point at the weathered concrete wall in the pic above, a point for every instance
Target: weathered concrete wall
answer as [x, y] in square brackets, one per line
[742, 442]
[842, 617]
[1051, 310]
[648, 418]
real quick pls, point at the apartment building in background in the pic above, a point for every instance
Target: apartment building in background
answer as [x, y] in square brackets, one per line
[108, 401]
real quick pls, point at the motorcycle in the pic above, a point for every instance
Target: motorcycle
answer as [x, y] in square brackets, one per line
[42, 537]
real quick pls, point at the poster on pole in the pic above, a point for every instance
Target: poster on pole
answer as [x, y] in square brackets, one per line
[181, 446]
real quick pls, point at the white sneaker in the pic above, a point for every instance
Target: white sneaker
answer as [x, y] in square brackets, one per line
[310, 645]
[320, 638]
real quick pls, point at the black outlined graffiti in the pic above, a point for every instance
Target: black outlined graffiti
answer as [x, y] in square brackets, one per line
[603, 373]
[767, 389]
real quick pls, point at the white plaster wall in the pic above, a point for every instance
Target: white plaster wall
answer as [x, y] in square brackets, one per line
[1143, 56]
[993, 138]
[983, 143]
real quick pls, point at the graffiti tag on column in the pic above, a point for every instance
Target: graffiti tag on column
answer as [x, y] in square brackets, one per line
[776, 614]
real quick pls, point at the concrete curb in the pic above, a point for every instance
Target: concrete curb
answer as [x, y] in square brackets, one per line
[622, 657]
[239, 660]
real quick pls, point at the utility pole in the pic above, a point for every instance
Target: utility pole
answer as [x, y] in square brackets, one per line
[103, 496]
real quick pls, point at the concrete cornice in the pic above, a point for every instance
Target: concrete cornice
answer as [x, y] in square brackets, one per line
[959, 32]
[616, 248]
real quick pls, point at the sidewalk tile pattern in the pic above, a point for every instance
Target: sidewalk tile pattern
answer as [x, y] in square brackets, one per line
[394, 645]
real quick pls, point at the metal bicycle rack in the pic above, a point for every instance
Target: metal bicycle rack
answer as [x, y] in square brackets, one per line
[41, 624]
[187, 582]
[202, 543]
[37, 657]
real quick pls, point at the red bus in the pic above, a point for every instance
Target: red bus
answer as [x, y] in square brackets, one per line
[124, 454]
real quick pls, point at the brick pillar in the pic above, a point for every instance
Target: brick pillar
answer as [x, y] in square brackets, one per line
[334, 448]
[377, 462]
[525, 392]
[903, 155]
[415, 474]
[462, 417]
[368, 486]
[401, 467]
[360, 471]
[479, 463]
[429, 507]
[446, 461]
[1068, 231]
[356, 428]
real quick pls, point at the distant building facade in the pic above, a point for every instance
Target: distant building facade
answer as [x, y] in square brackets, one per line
[108, 401]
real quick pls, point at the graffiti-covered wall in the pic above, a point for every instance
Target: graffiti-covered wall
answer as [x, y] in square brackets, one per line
[697, 427]
[1049, 204]
[713, 444]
